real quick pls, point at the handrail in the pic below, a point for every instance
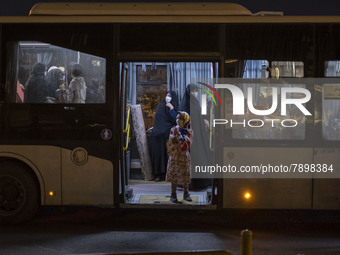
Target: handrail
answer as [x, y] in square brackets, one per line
[211, 130]
[127, 129]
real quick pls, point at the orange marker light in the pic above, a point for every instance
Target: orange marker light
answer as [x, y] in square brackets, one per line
[51, 193]
[247, 195]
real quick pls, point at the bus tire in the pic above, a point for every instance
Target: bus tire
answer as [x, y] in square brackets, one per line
[19, 193]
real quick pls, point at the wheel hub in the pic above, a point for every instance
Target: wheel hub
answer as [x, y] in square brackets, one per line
[12, 194]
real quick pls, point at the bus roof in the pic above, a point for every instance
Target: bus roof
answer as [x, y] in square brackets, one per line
[139, 9]
[144, 12]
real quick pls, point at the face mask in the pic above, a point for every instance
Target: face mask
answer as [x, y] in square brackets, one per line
[168, 99]
[195, 94]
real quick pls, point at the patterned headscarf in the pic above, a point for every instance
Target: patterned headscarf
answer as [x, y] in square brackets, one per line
[185, 116]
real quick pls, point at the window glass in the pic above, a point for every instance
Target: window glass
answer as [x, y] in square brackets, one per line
[256, 69]
[332, 68]
[331, 112]
[287, 69]
[274, 126]
[50, 74]
[151, 86]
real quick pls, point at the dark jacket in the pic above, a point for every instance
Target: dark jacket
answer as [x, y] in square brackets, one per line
[35, 87]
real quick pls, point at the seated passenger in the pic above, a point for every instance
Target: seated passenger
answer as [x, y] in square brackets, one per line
[95, 92]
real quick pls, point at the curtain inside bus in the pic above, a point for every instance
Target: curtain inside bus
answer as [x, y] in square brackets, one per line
[178, 76]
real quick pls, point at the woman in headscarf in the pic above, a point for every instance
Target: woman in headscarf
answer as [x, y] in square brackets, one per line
[54, 79]
[185, 103]
[191, 104]
[165, 119]
[35, 87]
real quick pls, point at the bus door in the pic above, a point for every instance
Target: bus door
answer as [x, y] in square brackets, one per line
[144, 86]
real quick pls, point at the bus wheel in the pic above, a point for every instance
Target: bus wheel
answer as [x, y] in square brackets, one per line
[19, 194]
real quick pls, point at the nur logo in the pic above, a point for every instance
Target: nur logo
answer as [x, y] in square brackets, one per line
[239, 99]
[204, 97]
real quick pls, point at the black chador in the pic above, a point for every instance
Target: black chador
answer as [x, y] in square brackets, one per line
[164, 121]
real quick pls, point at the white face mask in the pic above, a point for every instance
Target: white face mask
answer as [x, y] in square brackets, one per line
[195, 94]
[168, 99]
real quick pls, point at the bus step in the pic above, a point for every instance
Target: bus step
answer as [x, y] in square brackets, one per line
[135, 163]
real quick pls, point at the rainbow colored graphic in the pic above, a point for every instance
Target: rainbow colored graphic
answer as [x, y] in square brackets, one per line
[209, 93]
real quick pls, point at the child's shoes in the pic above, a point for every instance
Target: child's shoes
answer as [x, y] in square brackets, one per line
[173, 199]
[187, 197]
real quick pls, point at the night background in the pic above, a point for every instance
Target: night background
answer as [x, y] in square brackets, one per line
[289, 7]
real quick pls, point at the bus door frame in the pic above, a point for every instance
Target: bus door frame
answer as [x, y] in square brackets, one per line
[125, 127]
[127, 57]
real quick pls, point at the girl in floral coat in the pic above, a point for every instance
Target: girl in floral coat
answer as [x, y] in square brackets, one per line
[179, 157]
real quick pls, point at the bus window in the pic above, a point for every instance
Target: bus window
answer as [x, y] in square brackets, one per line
[287, 69]
[269, 127]
[331, 112]
[256, 69]
[50, 74]
[332, 68]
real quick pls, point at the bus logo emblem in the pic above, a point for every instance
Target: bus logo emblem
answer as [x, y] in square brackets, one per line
[79, 156]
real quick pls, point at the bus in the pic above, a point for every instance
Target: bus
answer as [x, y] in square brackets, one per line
[95, 151]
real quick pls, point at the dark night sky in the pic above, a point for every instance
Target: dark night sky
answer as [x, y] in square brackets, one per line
[289, 7]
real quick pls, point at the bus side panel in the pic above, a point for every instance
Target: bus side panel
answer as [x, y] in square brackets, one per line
[267, 193]
[327, 191]
[86, 180]
[45, 163]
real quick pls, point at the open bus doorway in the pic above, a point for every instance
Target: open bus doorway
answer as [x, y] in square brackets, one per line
[144, 87]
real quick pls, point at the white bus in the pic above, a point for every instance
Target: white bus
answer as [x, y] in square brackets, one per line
[57, 152]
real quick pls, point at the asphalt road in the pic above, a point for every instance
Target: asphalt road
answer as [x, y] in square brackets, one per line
[105, 231]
